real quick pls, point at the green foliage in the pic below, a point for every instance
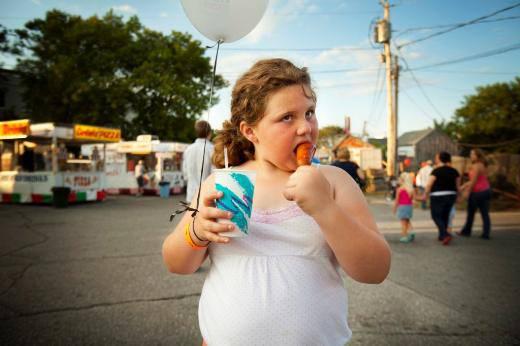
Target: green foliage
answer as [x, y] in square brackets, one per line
[448, 127]
[489, 119]
[328, 135]
[4, 43]
[104, 71]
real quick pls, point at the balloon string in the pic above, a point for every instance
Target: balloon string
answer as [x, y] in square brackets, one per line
[186, 206]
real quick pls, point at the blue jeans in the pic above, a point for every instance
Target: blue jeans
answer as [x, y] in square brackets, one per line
[440, 208]
[478, 200]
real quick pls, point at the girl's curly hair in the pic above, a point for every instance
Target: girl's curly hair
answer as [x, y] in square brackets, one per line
[248, 103]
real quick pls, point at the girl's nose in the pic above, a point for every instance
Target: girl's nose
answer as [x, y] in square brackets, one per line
[304, 128]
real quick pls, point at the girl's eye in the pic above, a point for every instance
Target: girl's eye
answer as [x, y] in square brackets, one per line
[309, 114]
[287, 118]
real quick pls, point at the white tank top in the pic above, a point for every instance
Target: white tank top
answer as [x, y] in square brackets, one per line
[280, 285]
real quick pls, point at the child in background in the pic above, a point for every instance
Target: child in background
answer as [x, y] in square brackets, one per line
[280, 284]
[403, 206]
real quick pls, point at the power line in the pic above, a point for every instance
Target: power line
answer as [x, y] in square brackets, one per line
[299, 49]
[491, 145]
[402, 32]
[420, 86]
[353, 69]
[474, 72]
[423, 112]
[438, 33]
[377, 93]
[323, 13]
[486, 54]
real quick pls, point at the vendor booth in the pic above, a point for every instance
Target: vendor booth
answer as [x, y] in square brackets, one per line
[162, 161]
[43, 162]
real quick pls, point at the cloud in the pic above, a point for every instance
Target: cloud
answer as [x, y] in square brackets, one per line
[125, 9]
[37, 2]
[163, 15]
[276, 15]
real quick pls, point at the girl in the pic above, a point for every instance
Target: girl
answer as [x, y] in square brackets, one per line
[403, 206]
[280, 285]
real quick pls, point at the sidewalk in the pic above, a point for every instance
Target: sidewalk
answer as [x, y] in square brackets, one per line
[422, 222]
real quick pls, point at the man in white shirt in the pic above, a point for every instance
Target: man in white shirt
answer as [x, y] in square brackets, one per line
[192, 159]
[139, 176]
[422, 179]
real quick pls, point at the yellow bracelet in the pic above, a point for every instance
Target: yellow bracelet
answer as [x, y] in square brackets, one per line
[190, 241]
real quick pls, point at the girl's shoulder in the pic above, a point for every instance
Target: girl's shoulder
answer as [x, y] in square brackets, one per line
[338, 178]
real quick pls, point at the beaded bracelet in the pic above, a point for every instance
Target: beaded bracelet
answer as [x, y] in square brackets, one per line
[190, 241]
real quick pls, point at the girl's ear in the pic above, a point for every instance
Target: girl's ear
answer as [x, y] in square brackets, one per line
[248, 132]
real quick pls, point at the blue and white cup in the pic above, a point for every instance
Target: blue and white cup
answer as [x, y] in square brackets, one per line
[238, 188]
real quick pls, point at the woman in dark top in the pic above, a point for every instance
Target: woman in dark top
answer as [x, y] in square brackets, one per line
[442, 188]
[343, 162]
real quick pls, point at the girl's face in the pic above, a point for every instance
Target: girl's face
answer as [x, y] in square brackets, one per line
[289, 120]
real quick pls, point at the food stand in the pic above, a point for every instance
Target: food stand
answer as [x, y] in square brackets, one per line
[162, 160]
[39, 159]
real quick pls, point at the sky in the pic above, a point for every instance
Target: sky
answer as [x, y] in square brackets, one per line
[333, 39]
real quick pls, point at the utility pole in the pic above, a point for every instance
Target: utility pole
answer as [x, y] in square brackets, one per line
[365, 132]
[383, 33]
[395, 77]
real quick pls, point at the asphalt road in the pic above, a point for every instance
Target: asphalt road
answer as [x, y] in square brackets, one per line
[93, 274]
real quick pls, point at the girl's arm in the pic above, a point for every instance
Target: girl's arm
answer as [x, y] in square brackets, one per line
[475, 168]
[429, 184]
[332, 198]
[178, 255]
[396, 200]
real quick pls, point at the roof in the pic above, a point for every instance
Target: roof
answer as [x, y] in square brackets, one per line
[412, 137]
[381, 142]
[352, 142]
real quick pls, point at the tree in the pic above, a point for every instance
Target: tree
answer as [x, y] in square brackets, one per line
[448, 127]
[328, 135]
[489, 119]
[4, 43]
[104, 71]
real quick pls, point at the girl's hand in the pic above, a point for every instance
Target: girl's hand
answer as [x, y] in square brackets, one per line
[206, 226]
[309, 188]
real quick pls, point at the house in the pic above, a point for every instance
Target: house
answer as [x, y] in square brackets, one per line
[363, 153]
[422, 145]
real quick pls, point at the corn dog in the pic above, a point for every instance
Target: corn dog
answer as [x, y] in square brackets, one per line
[304, 152]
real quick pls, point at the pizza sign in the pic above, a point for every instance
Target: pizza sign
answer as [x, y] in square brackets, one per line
[14, 129]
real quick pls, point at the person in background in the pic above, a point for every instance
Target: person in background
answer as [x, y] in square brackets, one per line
[352, 168]
[139, 171]
[62, 157]
[442, 188]
[403, 206]
[95, 158]
[192, 159]
[451, 218]
[422, 179]
[478, 192]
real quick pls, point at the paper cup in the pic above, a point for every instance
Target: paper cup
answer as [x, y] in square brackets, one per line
[238, 187]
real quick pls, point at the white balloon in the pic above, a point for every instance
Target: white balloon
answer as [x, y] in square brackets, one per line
[226, 20]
